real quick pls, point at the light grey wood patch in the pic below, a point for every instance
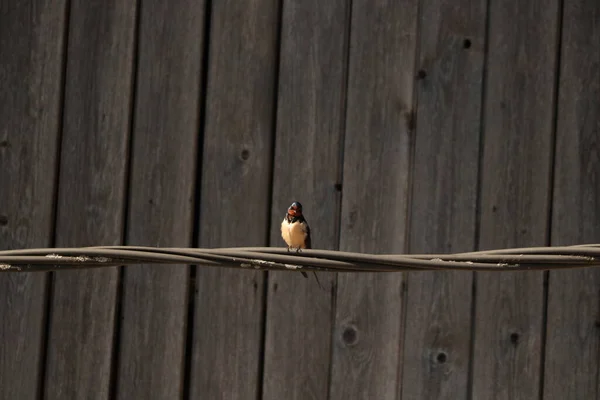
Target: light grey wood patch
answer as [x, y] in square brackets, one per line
[235, 193]
[91, 195]
[572, 344]
[444, 197]
[367, 338]
[515, 190]
[310, 112]
[161, 195]
[31, 42]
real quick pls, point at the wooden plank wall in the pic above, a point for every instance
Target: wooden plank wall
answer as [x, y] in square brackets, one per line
[402, 126]
[307, 168]
[32, 39]
[443, 213]
[367, 331]
[572, 341]
[517, 155]
[235, 196]
[81, 321]
[152, 331]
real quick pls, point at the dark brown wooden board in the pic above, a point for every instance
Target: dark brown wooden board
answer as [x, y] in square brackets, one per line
[309, 142]
[367, 338]
[235, 196]
[572, 345]
[91, 195]
[161, 197]
[515, 192]
[31, 66]
[444, 197]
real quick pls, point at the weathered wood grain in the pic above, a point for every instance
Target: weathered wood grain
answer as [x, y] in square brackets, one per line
[367, 341]
[31, 64]
[91, 195]
[235, 196]
[444, 197]
[307, 167]
[572, 345]
[515, 191]
[161, 197]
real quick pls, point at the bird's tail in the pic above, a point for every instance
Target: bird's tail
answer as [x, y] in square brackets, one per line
[304, 274]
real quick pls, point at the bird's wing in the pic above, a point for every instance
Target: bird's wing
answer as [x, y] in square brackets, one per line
[307, 241]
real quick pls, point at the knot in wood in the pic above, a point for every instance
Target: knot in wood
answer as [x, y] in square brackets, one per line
[441, 357]
[514, 338]
[350, 335]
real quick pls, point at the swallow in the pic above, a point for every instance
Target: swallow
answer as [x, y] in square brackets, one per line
[296, 232]
[294, 228]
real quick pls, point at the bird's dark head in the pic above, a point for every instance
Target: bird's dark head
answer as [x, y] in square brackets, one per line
[295, 210]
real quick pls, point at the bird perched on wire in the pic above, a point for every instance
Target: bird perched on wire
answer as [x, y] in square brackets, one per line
[294, 228]
[296, 232]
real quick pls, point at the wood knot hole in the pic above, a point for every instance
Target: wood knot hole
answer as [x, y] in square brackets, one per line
[466, 44]
[514, 338]
[3, 220]
[245, 155]
[441, 357]
[350, 335]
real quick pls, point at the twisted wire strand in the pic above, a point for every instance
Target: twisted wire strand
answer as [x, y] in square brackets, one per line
[280, 259]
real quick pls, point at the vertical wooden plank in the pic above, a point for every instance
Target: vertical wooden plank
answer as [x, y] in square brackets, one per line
[368, 330]
[572, 345]
[161, 197]
[444, 197]
[235, 192]
[312, 83]
[517, 155]
[31, 44]
[91, 195]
